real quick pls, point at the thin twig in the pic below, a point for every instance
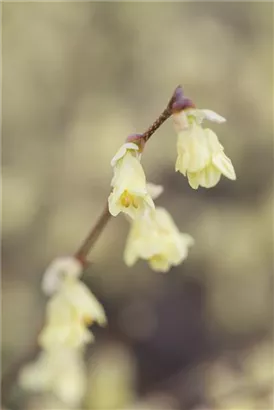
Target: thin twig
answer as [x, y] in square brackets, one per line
[94, 234]
[161, 119]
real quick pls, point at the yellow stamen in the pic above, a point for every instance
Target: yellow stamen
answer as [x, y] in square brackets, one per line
[135, 203]
[127, 199]
[87, 320]
[157, 258]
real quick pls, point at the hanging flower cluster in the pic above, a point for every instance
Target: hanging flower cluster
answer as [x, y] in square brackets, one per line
[153, 234]
[71, 309]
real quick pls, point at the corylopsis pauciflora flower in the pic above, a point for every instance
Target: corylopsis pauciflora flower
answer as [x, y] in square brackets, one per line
[201, 157]
[155, 238]
[70, 311]
[129, 194]
[71, 308]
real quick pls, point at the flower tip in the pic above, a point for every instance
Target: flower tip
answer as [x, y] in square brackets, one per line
[233, 176]
[178, 93]
[213, 116]
[154, 190]
[103, 321]
[114, 210]
[189, 240]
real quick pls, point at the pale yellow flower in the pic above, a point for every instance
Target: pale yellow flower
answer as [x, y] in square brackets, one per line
[129, 194]
[61, 372]
[69, 312]
[201, 157]
[156, 238]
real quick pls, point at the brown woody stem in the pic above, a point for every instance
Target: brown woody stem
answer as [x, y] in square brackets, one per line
[94, 234]
[160, 120]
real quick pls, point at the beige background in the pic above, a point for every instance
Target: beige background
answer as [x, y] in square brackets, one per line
[79, 78]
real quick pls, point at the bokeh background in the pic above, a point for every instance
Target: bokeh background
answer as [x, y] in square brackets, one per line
[77, 79]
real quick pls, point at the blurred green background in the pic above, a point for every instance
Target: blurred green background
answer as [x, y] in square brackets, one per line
[77, 79]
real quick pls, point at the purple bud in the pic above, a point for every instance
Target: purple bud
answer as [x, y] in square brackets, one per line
[180, 101]
[188, 103]
[182, 104]
[178, 93]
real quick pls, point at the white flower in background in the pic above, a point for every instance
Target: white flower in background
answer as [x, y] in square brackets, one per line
[155, 238]
[129, 194]
[62, 267]
[59, 368]
[201, 157]
[111, 380]
[69, 313]
[60, 371]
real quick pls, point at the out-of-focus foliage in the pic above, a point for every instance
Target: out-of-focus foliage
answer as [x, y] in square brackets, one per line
[77, 79]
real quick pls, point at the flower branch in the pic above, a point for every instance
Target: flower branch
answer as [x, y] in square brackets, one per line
[153, 236]
[94, 234]
[96, 230]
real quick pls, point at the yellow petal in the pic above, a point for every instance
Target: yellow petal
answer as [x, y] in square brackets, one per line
[193, 150]
[205, 114]
[156, 238]
[159, 263]
[194, 179]
[224, 165]
[130, 194]
[201, 157]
